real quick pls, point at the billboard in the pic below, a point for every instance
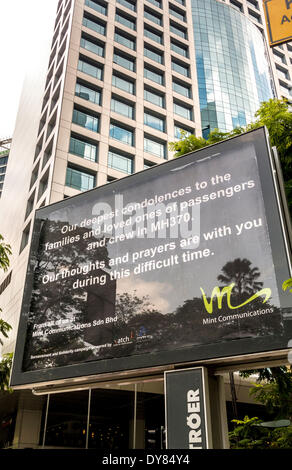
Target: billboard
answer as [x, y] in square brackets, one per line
[278, 15]
[181, 262]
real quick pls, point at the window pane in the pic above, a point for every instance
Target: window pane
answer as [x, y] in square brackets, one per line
[178, 131]
[158, 57]
[97, 6]
[92, 47]
[95, 26]
[122, 134]
[180, 15]
[155, 36]
[179, 49]
[92, 70]
[154, 98]
[150, 16]
[111, 418]
[123, 84]
[79, 180]
[85, 120]
[154, 121]
[128, 4]
[129, 23]
[154, 76]
[124, 62]
[125, 41]
[181, 89]
[87, 93]
[67, 418]
[182, 69]
[176, 30]
[182, 111]
[122, 108]
[120, 162]
[3, 160]
[157, 3]
[83, 149]
[154, 147]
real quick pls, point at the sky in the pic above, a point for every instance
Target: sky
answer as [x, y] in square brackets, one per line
[18, 27]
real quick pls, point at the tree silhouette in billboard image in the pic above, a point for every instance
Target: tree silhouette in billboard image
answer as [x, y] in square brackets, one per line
[56, 305]
[245, 283]
[244, 277]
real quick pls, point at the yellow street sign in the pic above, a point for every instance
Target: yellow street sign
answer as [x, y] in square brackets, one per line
[279, 20]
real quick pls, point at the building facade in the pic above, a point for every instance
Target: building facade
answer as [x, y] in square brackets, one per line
[4, 154]
[280, 56]
[119, 80]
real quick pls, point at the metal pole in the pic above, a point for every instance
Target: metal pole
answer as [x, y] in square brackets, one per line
[46, 420]
[88, 418]
[135, 417]
[233, 394]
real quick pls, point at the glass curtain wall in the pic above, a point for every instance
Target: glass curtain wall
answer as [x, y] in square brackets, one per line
[111, 416]
[232, 66]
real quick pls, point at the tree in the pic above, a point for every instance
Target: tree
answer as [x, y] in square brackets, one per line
[251, 433]
[5, 252]
[5, 362]
[273, 389]
[275, 115]
[191, 143]
[242, 275]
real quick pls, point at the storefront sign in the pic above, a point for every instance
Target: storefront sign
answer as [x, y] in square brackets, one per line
[181, 262]
[187, 417]
[279, 20]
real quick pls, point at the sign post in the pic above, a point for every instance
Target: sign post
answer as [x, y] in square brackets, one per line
[187, 411]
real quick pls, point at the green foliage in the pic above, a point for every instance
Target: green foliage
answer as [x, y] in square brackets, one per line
[246, 435]
[191, 143]
[6, 361]
[273, 390]
[5, 368]
[187, 144]
[4, 328]
[249, 434]
[275, 115]
[5, 252]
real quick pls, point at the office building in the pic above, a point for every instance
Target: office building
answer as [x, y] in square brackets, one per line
[4, 154]
[117, 82]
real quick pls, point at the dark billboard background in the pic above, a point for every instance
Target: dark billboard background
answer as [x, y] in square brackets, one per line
[127, 271]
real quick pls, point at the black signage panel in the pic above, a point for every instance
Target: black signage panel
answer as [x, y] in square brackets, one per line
[184, 261]
[187, 417]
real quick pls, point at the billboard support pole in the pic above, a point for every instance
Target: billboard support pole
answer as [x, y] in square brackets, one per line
[217, 405]
[233, 394]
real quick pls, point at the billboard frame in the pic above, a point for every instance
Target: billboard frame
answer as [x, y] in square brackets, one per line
[159, 361]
